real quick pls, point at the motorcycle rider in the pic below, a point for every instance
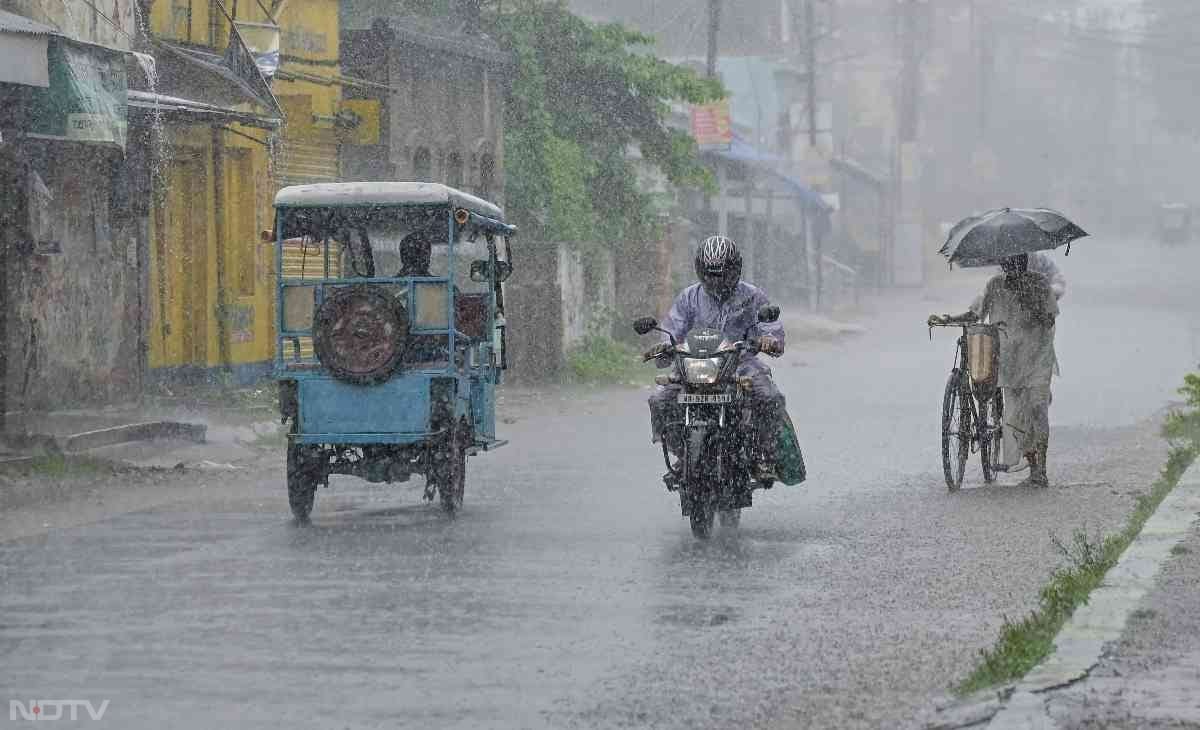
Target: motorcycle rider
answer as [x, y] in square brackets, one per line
[722, 301]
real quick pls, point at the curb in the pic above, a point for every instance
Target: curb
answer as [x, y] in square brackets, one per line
[146, 431]
[1080, 643]
[26, 446]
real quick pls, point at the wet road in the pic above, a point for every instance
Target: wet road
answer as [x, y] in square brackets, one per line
[571, 594]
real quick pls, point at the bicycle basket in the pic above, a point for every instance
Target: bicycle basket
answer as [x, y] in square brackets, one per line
[983, 354]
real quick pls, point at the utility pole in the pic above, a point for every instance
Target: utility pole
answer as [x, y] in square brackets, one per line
[908, 256]
[714, 26]
[810, 51]
[813, 253]
[910, 75]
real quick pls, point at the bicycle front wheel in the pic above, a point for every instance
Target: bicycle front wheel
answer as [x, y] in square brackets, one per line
[958, 424]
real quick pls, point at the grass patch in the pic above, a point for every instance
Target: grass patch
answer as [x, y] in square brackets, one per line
[1025, 643]
[1180, 550]
[58, 466]
[602, 360]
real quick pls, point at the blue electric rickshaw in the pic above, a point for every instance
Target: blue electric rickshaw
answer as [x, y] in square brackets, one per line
[390, 321]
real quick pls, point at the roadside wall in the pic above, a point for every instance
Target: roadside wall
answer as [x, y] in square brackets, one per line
[556, 297]
[73, 334]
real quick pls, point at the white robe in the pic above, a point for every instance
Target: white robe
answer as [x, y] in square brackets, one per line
[1027, 307]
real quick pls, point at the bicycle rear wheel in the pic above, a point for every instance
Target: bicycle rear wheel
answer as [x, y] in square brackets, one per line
[991, 434]
[958, 424]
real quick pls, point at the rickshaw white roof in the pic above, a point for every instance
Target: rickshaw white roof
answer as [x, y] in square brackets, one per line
[383, 193]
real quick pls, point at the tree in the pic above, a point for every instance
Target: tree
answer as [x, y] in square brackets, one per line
[581, 95]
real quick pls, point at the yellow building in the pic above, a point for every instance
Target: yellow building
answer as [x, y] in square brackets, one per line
[309, 89]
[211, 286]
[211, 294]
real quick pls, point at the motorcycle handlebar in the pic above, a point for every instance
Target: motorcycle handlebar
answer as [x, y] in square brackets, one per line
[672, 351]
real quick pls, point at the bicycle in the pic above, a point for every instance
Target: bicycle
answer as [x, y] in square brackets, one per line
[972, 406]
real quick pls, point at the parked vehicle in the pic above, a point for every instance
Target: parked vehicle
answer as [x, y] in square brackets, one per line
[713, 473]
[389, 348]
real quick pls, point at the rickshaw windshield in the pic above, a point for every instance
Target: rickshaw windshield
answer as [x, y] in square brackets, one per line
[373, 242]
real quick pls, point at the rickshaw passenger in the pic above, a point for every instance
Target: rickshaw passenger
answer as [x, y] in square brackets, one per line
[416, 251]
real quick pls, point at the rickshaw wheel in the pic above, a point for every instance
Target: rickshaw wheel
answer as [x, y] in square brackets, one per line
[303, 473]
[359, 334]
[449, 471]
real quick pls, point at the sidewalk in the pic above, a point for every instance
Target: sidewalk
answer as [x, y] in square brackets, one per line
[1129, 659]
[153, 434]
[1150, 678]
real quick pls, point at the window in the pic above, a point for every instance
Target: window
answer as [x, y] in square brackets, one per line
[454, 170]
[487, 175]
[422, 164]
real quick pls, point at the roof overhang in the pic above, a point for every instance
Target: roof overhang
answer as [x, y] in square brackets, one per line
[173, 108]
[439, 37]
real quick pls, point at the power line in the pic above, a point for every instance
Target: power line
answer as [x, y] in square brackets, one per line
[107, 19]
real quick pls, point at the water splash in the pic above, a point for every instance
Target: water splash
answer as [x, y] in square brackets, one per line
[149, 66]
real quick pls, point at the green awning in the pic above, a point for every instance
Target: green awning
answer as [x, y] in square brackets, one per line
[86, 100]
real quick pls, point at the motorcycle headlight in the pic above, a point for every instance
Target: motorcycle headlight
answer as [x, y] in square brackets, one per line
[702, 372]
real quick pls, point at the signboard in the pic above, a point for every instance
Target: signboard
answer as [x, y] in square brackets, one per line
[86, 101]
[711, 126]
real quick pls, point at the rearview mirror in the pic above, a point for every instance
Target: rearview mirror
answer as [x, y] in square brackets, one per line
[768, 313]
[642, 325]
[481, 270]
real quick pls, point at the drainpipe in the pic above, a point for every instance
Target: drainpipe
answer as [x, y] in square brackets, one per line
[221, 233]
[10, 195]
[4, 234]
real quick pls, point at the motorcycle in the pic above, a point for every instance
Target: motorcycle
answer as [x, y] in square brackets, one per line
[713, 474]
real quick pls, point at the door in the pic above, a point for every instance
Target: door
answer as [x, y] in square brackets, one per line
[180, 331]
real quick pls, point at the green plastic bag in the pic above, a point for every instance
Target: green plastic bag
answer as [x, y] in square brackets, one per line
[789, 461]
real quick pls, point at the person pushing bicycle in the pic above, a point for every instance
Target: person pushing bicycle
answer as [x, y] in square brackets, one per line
[1025, 301]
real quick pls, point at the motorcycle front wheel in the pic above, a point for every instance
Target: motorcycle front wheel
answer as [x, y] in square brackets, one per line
[702, 510]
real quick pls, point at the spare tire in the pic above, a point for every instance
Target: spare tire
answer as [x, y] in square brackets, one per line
[359, 334]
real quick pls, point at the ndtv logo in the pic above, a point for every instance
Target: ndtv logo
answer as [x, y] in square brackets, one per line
[42, 710]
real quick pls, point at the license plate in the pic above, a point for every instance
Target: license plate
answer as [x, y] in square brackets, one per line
[704, 398]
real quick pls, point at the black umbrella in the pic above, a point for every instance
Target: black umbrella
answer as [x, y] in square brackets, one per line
[985, 239]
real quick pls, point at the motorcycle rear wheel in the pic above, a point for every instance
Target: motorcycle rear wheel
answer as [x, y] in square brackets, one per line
[702, 520]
